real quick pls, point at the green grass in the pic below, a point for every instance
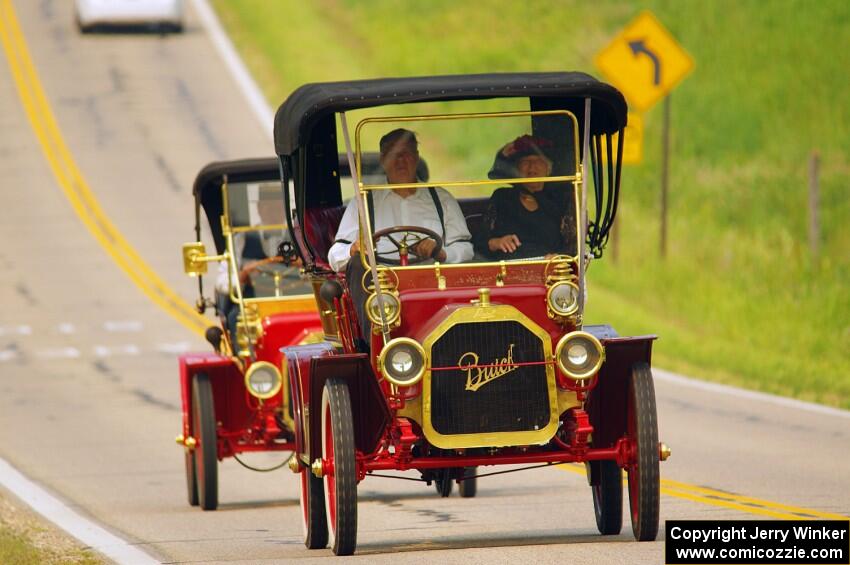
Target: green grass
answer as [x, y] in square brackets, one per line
[26, 546]
[739, 297]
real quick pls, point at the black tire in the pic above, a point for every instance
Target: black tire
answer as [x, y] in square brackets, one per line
[191, 478]
[340, 488]
[206, 443]
[313, 511]
[608, 498]
[443, 482]
[468, 487]
[644, 476]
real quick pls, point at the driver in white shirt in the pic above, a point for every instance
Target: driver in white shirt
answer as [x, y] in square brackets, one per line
[265, 243]
[435, 209]
[252, 249]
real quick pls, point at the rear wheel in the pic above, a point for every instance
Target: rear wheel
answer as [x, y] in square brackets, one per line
[644, 477]
[468, 486]
[340, 486]
[313, 511]
[608, 498]
[206, 444]
[191, 478]
[443, 482]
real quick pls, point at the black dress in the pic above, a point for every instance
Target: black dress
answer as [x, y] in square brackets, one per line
[549, 229]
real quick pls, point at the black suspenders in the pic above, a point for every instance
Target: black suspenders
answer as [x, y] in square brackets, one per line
[439, 206]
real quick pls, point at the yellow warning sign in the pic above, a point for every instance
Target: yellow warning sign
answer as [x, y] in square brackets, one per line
[644, 61]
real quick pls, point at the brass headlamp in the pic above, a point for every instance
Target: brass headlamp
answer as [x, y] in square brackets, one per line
[579, 355]
[263, 380]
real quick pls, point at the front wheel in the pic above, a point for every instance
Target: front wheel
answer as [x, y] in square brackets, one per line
[644, 475]
[341, 483]
[608, 498]
[206, 443]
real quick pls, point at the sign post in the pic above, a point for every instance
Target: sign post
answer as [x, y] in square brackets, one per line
[645, 63]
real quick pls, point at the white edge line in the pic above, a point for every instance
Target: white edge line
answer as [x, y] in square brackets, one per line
[66, 518]
[667, 376]
[234, 64]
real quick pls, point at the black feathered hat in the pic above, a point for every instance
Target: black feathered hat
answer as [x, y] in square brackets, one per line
[505, 163]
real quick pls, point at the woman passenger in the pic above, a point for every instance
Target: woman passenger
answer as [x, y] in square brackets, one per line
[524, 220]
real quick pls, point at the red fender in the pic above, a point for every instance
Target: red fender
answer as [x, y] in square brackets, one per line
[607, 401]
[369, 406]
[297, 363]
[220, 370]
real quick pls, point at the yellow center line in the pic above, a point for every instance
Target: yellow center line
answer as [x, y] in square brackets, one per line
[723, 499]
[73, 184]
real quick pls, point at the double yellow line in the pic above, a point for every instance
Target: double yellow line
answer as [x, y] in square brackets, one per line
[729, 500]
[743, 503]
[74, 185]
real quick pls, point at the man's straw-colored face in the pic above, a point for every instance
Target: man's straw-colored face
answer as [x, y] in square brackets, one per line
[400, 162]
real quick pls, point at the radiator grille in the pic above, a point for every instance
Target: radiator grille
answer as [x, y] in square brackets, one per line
[506, 398]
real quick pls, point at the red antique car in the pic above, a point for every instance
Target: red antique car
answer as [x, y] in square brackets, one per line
[236, 397]
[481, 357]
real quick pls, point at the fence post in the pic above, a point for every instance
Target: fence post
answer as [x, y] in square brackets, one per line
[665, 168]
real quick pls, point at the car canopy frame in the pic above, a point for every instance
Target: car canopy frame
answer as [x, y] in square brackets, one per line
[305, 134]
[208, 195]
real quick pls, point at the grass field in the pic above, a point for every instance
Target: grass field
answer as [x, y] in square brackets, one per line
[739, 298]
[25, 539]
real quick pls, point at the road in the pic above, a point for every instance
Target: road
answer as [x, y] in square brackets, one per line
[89, 400]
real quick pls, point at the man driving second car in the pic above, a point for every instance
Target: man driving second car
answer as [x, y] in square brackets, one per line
[432, 208]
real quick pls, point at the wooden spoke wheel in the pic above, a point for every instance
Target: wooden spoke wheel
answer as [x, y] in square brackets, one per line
[644, 476]
[608, 498]
[313, 511]
[191, 478]
[206, 444]
[469, 485]
[340, 485]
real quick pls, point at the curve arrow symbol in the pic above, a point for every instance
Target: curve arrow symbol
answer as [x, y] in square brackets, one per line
[637, 46]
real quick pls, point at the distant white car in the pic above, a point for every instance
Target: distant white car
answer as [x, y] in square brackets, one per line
[162, 13]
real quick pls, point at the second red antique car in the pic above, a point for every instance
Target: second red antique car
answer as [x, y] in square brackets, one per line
[483, 358]
[236, 398]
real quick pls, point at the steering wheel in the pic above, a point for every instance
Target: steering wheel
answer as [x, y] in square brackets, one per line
[282, 276]
[417, 232]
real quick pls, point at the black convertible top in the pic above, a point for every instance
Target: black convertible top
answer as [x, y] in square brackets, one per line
[305, 107]
[240, 170]
[207, 188]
